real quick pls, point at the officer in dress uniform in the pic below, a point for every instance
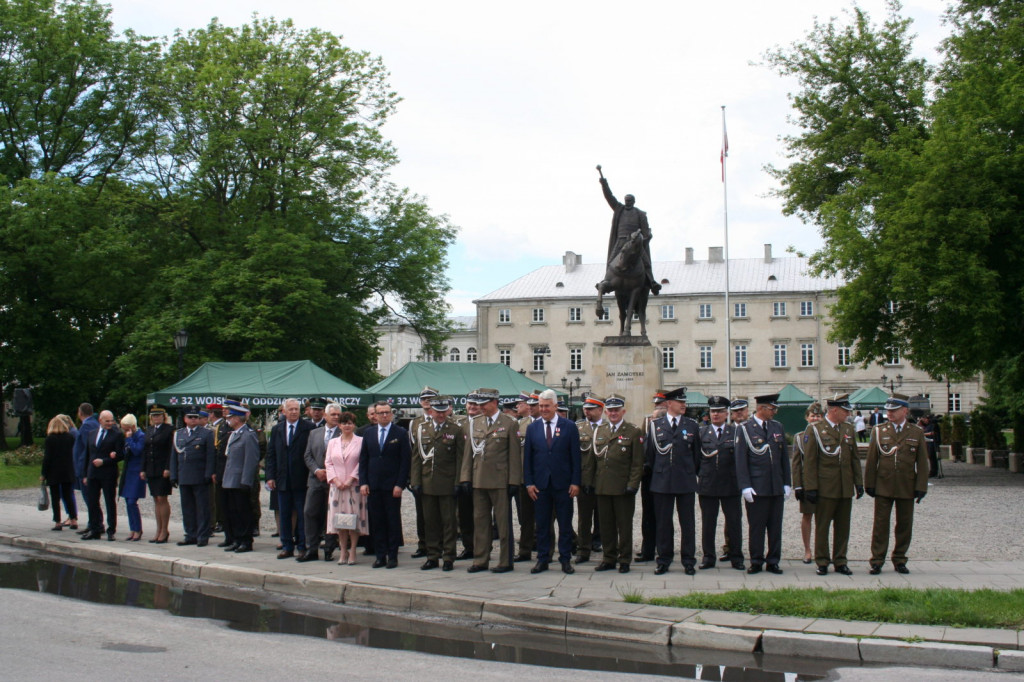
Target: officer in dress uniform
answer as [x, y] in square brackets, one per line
[241, 475]
[763, 477]
[716, 485]
[192, 469]
[647, 534]
[524, 505]
[426, 395]
[220, 430]
[618, 453]
[831, 476]
[438, 449]
[672, 453]
[492, 467]
[739, 412]
[896, 474]
[593, 409]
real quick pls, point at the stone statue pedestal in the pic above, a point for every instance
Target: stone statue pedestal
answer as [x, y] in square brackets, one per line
[632, 370]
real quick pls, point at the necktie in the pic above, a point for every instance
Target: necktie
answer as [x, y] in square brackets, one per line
[291, 434]
[718, 432]
[898, 429]
[188, 433]
[99, 439]
[549, 438]
[327, 435]
[675, 424]
[383, 433]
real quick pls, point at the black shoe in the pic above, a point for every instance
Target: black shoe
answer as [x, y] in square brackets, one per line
[92, 536]
[110, 537]
[242, 549]
[902, 569]
[227, 543]
[595, 546]
[476, 568]
[661, 569]
[739, 566]
[706, 564]
[567, 568]
[605, 566]
[202, 543]
[844, 570]
[218, 529]
[808, 561]
[540, 567]
[773, 568]
[379, 563]
[392, 563]
[368, 552]
[233, 547]
[582, 559]
[285, 554]
[875, 569]
[501, 569]
[642, 558]
[275, 535]
[85, 531]
[256, 532]
[754, 568]
[312, 555]
[429, 564]
[466, 554]
[822, 570]
[724, 557]
[186, 541]
[623, 568]
[419, 553]
[522, 557]
[447, 566]
[329, 554]
[689, 570]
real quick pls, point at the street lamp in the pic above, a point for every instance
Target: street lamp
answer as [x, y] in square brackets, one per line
[571, 385]
[180, 344]
[893, 384]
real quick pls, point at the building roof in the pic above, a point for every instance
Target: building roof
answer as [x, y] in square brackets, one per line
[746, 276]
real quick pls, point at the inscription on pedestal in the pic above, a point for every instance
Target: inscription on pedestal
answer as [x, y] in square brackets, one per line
[632, 371]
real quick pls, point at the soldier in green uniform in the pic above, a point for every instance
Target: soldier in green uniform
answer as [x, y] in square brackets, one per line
[493, 466]
[426, 395]
[524, 505]
[896, 475]
[618, 452]
[593, 410]
[831, 476]
[438, 446]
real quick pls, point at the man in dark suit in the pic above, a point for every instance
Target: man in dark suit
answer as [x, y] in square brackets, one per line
[716, 485]
[192, 469]
[384, 463]
[315, 509]
[287, 474]
[551, 473]
[106, 449]
[876, 417]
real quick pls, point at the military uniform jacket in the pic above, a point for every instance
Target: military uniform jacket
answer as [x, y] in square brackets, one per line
[618, 458]
[717, 472]
[437, 453]
[587, 463]
[194, 457]
[156, 458]
[796, 458]
[221, 432]
[897, 465]
[762, 462]
[493, 457]
[242, 458]
[673, 458]
[831, 465]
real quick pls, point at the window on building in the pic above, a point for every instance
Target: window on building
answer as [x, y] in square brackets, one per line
[740, 351]
[668, 312]
[377, 366]
[704, 311]
[575, 314]
[538, 359]
[504, 316]
[780, 355]
[739, 310]
[807, 355]
[538, 315]
[471, 355]
[505, 357]
[605, 315]
[844, 355]
[705, 357]
[779, 309]
[453, 355]
[576, 359]
[668, 357]
[954, 402]
[806, 308]
[893, 357]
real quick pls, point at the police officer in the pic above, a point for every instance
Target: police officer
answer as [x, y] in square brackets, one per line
[739, 412]
[763, 477]
[672, 453]
[896, 474]
[716, 485]
[831, 476]
[192, 469]
[439, 445]
[618, 452]
[593, 419]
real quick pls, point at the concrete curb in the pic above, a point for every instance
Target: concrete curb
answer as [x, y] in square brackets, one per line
[1011, 660]
[780, 643]
[704, 636]
[930, 654]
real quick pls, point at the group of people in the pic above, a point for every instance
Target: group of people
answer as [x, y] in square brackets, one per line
[340, 487]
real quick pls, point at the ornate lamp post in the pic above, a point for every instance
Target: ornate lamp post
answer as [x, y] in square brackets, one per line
[571, 385]
[180, 344]
[893, 383]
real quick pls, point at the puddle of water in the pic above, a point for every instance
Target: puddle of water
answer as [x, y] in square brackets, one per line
[253, 611]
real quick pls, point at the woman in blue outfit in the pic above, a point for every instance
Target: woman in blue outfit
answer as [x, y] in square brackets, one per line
[133, 485]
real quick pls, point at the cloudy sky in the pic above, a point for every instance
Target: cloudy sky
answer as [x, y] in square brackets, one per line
[508, 108]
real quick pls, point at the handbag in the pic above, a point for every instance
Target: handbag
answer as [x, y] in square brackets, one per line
[344, 521]
[44, 497]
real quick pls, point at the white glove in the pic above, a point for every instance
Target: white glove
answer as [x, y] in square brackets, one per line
[748, 495]
[786, 491]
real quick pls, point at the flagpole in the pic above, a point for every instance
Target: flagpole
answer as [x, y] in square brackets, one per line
[728, 314]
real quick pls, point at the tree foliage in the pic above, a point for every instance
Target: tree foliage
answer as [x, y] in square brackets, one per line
[918, 201]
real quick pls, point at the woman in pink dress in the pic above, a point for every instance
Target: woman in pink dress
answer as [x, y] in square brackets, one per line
[342, 464]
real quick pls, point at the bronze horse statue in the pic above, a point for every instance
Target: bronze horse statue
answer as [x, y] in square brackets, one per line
[627, 277]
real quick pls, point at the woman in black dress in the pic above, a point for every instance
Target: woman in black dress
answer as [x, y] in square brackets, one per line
[59, 470]
[156, 469]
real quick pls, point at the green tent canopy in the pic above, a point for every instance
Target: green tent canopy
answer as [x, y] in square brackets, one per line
[456, 379]
[869, 397]
[792, 404]
[696, 399]
[261, 384]
[791, 395]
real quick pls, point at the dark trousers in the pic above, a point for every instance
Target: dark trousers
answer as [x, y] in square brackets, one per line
[558, 501]
[439, 522]
[834, 512]
[683, 505]
[526, 513]
[315, 520]
[384, 512]
[221, 493]
[291, 502]
[764, 516]
[647, 518]
[730, 506]
[421, 530]
[107, 487]
[880, 532]
[64, 492]
[587, 503]
[464, 510]
[195, 511]
[933, 460]
[239, 517]
[616, 514]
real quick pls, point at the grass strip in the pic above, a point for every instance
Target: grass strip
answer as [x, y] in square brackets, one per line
[934, 606]
[19, 476]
